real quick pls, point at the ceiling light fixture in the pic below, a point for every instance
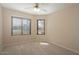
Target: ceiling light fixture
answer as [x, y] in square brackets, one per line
[36, 7]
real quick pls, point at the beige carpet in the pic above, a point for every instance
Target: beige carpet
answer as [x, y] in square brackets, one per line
[36, 48]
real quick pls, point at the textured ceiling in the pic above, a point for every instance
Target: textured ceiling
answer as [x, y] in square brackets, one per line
[46, 8]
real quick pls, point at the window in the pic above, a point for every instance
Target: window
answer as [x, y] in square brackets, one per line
[41, 27]
[26, 26]
[16, 26]
[21, 26]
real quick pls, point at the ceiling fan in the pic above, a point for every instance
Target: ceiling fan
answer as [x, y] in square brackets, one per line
[37, 8]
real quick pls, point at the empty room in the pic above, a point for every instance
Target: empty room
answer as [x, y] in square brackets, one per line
[39, 28]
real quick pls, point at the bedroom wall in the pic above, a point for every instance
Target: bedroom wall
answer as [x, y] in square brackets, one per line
[12, 40]
[63, 28]
[0, 27]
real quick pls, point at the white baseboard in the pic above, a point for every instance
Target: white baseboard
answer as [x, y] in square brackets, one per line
[77, 52]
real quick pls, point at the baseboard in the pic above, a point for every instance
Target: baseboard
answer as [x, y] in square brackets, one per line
[77, 52]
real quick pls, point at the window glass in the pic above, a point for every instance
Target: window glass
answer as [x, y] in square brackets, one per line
[26, 26]
[16, 26]
[20, 26]
[40, 26]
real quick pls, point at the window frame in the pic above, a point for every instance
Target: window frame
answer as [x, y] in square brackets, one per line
[38, 26]
[21, 18]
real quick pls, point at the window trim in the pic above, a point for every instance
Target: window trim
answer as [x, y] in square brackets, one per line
[21, 26]
[37, 26]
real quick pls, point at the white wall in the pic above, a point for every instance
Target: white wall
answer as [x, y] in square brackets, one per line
[63, 28]
[0, 28]
[11, 40]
